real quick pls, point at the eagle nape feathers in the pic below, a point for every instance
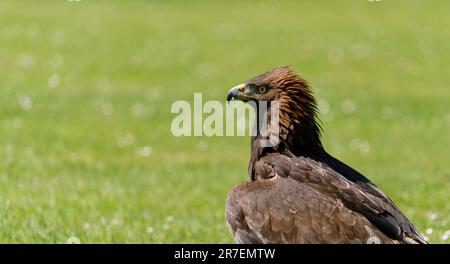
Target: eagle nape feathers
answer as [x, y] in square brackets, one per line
[297, 192]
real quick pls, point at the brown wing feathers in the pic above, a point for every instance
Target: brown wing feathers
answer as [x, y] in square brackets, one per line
[298, 193]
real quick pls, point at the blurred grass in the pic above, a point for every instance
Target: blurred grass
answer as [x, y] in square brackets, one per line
[86, 89]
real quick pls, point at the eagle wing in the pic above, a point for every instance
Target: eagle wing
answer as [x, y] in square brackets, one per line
[282, 210]
[302, 200]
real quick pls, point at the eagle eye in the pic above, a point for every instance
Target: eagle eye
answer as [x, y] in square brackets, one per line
[262, 89]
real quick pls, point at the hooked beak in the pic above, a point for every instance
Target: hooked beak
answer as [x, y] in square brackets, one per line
[238, 93]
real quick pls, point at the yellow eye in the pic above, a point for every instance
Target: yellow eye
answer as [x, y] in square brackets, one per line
[262, 89]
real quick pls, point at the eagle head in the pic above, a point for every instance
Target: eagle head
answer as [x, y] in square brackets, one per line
[299, 128]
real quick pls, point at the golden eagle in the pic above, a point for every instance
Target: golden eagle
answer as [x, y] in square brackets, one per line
[297, 192]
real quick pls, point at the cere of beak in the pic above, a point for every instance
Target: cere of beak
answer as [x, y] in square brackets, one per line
[235, 92]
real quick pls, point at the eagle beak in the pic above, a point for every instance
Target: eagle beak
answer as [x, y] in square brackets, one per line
[236, 92]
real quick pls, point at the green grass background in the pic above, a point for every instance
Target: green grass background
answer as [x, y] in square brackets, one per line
[86, 89]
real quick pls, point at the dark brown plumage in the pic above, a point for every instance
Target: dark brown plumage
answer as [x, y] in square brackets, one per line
[297, 192]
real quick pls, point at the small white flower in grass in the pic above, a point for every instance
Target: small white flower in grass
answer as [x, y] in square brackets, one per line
[149, 230]
[145, 151]
[170, 219]
[9, 150]
[432, 215]
[26, 61]
[57, 38]
[166, 226]
[107, 109]
[138, 110]
[15, 123]
[104, 84]
[348, 106]
[324, 106]
[54, 81]
[204, 70]
[445, 235]
[360, 50]
[125, 141]
[360, 145]
[364, 147]
[154, 93]
[73, 240]
[25, 103]
[115, 222]
[86, 226]
[429, 231]
[202, 145]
